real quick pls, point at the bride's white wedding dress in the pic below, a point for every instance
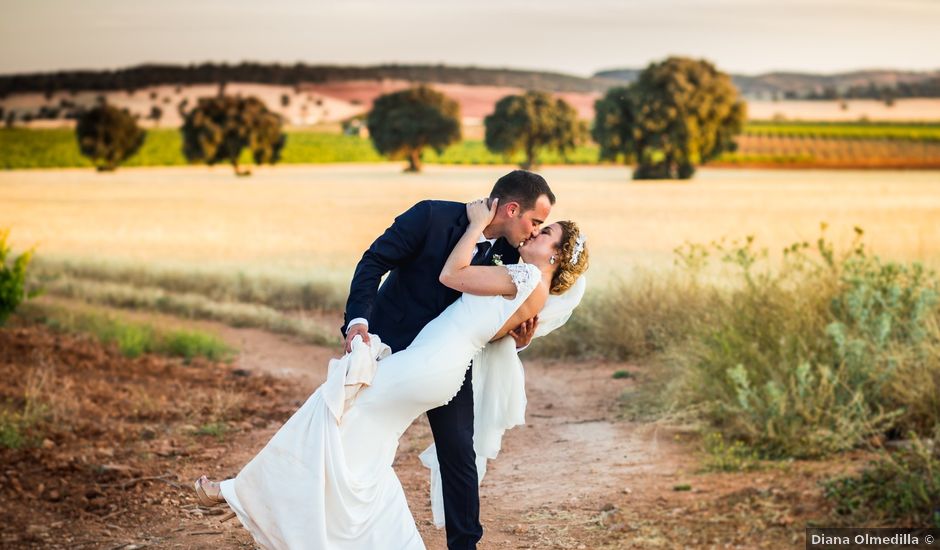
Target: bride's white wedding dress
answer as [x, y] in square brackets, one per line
[325, 480]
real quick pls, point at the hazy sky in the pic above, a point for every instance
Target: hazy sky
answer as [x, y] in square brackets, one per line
[574, 36]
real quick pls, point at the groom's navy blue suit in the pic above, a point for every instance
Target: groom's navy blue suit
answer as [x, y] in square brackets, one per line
[413, 251]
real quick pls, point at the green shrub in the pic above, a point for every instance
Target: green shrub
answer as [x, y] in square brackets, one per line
[812, 358]
[897, 488]
[12, 278]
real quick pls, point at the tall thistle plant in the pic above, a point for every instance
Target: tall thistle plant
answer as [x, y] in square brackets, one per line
[817, 355]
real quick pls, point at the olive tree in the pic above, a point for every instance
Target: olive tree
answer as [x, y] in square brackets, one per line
[219, 128]
[108, 136]
[402, 124]
[679, 114]
[530, 123]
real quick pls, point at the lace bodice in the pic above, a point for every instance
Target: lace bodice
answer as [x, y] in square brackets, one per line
[524, 276]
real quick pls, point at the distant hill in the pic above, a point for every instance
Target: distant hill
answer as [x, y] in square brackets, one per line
[872, 84]
[291, 75]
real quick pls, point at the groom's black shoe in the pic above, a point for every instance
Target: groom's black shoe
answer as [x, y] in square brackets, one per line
[452, 426]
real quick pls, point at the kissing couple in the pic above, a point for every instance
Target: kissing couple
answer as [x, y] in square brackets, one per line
[432, 339]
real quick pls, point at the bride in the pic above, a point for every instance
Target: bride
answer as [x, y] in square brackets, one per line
[325, 480]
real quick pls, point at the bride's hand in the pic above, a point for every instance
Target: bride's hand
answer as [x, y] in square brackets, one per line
[480, 214]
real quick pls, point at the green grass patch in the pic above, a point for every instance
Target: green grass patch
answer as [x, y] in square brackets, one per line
[927, 132]
[190, 344]
[132, 339]
[18, 428]
[214, 429]
[754, 158]
[24, 420]
[722, 456]
[57, 148]
[474, 152]
[318, 148]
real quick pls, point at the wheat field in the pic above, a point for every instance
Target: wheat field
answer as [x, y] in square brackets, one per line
[306, 221]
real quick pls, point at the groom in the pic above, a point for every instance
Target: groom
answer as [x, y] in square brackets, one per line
[413, 251]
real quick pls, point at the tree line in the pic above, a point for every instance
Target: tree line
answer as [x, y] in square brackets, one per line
[680, 113]
[925, 88]
[144, 76]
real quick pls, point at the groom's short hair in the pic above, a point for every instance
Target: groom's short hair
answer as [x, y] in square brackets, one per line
[523, 187]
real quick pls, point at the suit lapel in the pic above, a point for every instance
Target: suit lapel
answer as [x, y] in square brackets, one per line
[456, 231]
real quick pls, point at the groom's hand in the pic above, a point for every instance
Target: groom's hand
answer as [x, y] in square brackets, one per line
[523, 333]
[359, 329]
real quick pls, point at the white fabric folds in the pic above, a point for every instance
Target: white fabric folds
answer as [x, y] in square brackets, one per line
[347, 375]
[499, 399]
[300, 492]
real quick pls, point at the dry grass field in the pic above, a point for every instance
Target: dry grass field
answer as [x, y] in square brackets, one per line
[314, 222]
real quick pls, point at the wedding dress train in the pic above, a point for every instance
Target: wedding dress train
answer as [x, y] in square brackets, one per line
[325, 480]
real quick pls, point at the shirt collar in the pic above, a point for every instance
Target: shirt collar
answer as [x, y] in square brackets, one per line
[481, 239]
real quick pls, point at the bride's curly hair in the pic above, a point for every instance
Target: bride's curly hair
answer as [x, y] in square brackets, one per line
[567, 272]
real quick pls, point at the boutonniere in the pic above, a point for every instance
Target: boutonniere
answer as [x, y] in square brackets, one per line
[497, 259]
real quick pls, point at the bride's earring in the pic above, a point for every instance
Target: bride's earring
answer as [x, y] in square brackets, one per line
[552, 260]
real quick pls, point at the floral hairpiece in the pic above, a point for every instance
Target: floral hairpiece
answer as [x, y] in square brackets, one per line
[578, 248]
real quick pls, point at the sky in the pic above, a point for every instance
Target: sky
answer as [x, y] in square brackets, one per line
[576, 37]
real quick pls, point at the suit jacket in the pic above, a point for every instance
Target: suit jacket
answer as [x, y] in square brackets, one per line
[412, 251]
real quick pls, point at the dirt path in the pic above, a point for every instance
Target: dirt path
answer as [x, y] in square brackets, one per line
[550, 484]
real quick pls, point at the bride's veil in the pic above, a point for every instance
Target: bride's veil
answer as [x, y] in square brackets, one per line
[559, 307]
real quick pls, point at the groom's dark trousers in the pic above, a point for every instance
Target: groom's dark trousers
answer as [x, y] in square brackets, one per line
[413, 251]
